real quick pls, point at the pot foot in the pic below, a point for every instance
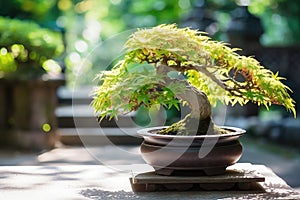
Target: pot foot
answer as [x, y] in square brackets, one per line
[164, 171]
[215, 171]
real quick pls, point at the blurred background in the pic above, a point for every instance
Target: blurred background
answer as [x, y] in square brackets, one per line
[44, 44]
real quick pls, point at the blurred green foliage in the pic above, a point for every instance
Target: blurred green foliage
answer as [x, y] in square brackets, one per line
[87, 23]
[280, 19]
[25, 47]
[38, 10]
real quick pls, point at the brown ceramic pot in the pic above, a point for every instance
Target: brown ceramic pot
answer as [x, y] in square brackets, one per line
[191, 155]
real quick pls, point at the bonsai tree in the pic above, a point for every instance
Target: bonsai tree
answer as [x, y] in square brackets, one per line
[211, 71]
[25, 47]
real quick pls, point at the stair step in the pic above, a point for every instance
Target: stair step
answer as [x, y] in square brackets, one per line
[83, 116]
[78, 123]
[99, 136]
[69, 96]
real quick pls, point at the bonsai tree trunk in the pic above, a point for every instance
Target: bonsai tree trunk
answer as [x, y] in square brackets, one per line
[198, 121]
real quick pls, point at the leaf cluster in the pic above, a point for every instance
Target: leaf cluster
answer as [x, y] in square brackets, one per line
[130, 85]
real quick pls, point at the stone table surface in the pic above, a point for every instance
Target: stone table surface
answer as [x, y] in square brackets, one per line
[112, 182]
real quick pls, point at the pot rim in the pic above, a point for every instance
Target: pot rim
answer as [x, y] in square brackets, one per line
[146, 132]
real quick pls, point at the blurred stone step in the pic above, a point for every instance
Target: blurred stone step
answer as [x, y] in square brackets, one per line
[283, 131]
[83, 116]
[99, 136]
[68, 96]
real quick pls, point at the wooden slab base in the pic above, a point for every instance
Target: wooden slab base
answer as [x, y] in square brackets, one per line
[237, 177]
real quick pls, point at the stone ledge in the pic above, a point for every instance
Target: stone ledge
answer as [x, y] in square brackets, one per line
[99, 136]
[112, 182]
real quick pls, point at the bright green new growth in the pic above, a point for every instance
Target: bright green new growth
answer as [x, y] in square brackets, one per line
[209, 65]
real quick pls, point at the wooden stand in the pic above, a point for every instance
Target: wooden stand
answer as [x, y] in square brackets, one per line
[237, 177]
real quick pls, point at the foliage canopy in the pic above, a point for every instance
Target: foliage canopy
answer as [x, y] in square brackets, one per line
[211, 66]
